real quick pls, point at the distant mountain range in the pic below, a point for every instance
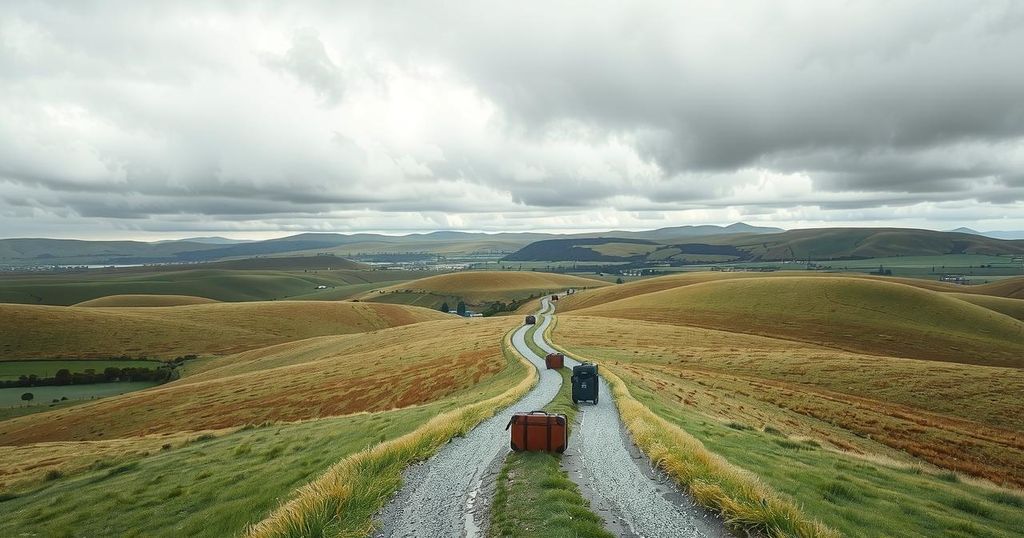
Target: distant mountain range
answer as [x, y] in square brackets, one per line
[29, 252]
[997, 234]
[674, 245]
[809, 244]
[215, 240]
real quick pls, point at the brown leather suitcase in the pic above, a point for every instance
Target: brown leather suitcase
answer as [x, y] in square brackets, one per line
[538, 431]
[554, 361]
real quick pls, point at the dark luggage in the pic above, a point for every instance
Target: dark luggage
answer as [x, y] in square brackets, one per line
[530, 320]
[585, 383]
[554, 361]
[554, 297]
[538, 431]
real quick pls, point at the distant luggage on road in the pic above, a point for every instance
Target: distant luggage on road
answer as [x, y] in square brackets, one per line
[531, 320]
[538, 431]
[554, 361]
[584, 383]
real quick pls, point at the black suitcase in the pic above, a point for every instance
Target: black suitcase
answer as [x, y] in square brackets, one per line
[584, 383]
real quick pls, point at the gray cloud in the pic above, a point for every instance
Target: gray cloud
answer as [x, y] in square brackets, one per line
[487, 115]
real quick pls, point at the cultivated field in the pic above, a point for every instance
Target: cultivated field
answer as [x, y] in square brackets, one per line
[50, 332]
[788, 377]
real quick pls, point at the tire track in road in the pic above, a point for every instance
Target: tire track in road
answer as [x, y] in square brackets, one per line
[449, 495]
[633, 498]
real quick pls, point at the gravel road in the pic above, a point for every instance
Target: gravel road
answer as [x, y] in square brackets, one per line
[633, 498]
[449, 495]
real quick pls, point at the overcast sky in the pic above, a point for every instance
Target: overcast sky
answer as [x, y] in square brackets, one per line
[252, 119]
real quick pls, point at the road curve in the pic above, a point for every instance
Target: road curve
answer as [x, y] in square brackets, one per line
[633, 498]
[449, 495]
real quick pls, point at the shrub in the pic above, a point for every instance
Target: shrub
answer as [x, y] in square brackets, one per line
[53, 474]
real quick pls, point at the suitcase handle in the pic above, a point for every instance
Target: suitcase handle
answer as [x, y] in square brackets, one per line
[509, 425]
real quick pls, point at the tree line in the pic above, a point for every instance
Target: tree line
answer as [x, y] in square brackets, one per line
[111, 374]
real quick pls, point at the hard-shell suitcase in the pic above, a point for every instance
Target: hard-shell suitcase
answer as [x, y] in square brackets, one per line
[585, 383]
[554, 361]
[531, 320]
[538, 431]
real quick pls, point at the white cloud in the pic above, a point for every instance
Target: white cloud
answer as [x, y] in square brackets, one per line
[275, 117]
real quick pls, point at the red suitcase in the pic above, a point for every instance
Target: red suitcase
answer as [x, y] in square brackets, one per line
[538, 431]
[554, 361]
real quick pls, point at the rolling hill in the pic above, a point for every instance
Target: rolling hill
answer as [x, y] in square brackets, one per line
[48, 332]
[855, 314]
[279, 278]
[145, 300]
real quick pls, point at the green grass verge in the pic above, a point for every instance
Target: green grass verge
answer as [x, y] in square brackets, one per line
[858, 497]
[209, 488]
[535, 497]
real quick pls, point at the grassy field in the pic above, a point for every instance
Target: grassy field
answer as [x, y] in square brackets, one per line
[862, 315]
[145, 300]
[479, 287]
[44, 396]
[867, 443]
[249, 429]
[1004, 305]
[209, 487]
[221, 282]
[303, 380]
[68, 332]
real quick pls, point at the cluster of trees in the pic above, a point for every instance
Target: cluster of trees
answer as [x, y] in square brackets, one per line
[460, 308]
[108, 375]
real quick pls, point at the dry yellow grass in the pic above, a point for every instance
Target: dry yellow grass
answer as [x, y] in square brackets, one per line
[1009, 288]
[329, 376]
[342, 501]
[481, 286]
[739, 495]
[130, 300]
[30, 331]
[961, 417]
[845, 313]
[1004, 305]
